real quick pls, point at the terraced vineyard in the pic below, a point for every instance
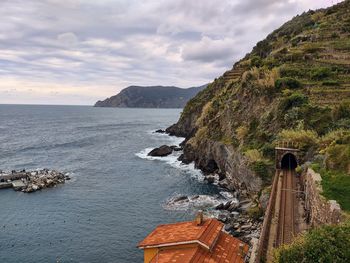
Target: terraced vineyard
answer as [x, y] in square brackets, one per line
[297, 80]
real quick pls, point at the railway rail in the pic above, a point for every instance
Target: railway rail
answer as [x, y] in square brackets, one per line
[281, 224]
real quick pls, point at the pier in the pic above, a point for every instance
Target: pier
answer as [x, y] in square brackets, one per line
[15, 180]
[31, 181]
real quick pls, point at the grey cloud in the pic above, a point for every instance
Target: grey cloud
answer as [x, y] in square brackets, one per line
[209, 50]
[68, 39]
[87, 45]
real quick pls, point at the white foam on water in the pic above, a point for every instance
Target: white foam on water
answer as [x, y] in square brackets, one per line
[207, 203]
[228, 195]
[173, 140]
[191, 203]
[171, 159]
[195, 202]
[72, 176]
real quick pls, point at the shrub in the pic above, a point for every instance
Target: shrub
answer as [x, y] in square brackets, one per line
[255, 212]
[268, 79]
[341, 111]
[206, 110]
[293, 100]
[246, 77]
[299, 169]
[320, 73]
[254, 155]
[256, 61]
[291, 72]
[334, 35]
[338, 157]
[329, 243]
[340, 136]
[261, 168]
[268, 150]
[288, 82]
[317, 118]
[262, 48]
[200, 135]
[304, 138]
[242, 132]
[271, 62]
[255, 73]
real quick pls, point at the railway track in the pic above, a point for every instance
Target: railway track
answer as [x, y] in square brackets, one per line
[286, 219]
[282, 225]
[283, 218]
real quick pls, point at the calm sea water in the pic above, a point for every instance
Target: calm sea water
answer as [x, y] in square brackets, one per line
[115, 198]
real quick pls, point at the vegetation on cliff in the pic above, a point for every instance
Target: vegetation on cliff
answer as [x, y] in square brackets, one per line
[293, 87]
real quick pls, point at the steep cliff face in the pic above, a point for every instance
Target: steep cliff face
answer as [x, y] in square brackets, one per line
[291, 87]
[151, 97]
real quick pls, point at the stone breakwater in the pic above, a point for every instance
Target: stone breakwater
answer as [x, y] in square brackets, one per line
[31, 181]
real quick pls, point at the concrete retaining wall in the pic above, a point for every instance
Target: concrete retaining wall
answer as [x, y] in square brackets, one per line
[319, 210]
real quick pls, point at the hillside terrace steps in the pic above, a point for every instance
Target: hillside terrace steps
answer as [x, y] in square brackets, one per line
[234, 74]
[328, 97]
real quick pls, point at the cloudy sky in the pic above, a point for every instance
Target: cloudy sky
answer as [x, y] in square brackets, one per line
[79, 51]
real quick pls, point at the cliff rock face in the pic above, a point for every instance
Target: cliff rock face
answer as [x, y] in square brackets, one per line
[151, 97]
[293, 80]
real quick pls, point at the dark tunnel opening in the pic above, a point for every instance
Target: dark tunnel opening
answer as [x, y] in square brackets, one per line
[289, 161]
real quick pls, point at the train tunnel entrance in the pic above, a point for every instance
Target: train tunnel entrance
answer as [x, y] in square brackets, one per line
[289, 161]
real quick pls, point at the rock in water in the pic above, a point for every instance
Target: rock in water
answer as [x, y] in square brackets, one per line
[162, 151]
[176, 148]
[181, 198]
[210, 179]
[219, 206]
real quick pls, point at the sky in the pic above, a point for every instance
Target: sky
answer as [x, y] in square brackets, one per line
[79, 51]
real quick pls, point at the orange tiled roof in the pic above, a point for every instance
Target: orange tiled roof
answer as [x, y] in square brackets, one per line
[226, 250]
[183, 233]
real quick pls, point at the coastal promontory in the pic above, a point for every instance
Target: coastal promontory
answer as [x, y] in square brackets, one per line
[151, 97]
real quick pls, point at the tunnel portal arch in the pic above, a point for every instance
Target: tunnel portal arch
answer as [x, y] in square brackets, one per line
[287, 157]
[289, 161]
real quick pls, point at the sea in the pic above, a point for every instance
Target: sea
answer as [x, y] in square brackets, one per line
[117, 194]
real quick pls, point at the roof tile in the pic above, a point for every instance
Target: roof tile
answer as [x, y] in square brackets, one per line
[184, 232]
[226, 250]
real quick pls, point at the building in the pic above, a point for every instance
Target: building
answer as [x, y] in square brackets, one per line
[201, 240]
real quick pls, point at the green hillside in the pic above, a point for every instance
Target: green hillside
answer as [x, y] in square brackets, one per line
[293, 87]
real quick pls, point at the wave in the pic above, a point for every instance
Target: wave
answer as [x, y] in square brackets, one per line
[207, 203]
[173, 161]
[172, 139]
[195, 202]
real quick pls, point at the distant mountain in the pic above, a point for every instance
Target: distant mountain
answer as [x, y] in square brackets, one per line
[151, 97]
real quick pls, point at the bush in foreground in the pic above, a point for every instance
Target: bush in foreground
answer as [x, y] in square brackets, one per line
[326, 244]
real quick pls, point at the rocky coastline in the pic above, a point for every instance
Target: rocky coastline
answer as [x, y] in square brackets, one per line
[242, 218]
[242, 214]
[32, 181]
